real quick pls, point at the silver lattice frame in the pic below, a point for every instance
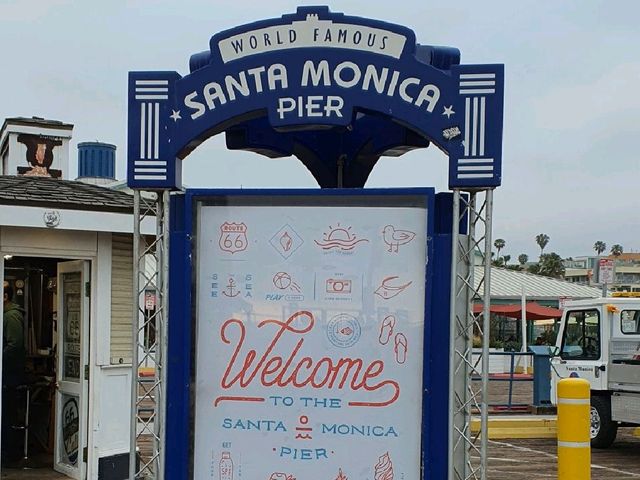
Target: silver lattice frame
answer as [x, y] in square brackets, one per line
[467, 450]
[148, 394]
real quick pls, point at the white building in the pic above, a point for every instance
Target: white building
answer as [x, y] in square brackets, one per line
[66, 249]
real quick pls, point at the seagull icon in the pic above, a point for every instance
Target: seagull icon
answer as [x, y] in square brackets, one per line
[394, 238]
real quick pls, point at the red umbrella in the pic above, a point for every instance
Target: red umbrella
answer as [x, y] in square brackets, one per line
[535, 311]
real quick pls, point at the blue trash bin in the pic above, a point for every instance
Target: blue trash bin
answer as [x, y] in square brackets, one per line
[541, 374]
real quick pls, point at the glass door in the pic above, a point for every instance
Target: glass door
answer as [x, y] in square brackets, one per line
[72, 363]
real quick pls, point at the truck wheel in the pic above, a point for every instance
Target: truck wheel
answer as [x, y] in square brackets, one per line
[603, 429]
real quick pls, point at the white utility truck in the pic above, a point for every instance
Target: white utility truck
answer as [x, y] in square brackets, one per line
[599, 340]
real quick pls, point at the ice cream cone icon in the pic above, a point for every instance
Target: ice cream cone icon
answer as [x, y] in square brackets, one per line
[384, 468]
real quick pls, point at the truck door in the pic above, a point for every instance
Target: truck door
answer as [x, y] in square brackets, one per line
[581, 350]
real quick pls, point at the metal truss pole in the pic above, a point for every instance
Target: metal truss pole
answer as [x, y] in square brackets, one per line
[467, 450]
[148, 394]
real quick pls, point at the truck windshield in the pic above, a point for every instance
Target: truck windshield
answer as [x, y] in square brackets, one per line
[581, 338]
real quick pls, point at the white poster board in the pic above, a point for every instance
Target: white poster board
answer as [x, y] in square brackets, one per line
[605, 271]
[309, 360]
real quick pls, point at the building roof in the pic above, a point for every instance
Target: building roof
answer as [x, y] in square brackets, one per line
[507, 283]
[626, 257]
[66, 194]
[36, 121]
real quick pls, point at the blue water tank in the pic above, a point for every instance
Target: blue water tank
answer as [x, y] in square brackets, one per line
[96, 160]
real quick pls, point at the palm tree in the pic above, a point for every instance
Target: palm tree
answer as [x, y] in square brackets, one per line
[506, 259]
[523, 258]
[599, 247]
[617, 250]
[499, 244]
[551, 265]
[542, 239]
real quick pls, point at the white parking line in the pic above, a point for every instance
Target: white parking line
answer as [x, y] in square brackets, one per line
[525, 475]
[531, 450]
[499, 459]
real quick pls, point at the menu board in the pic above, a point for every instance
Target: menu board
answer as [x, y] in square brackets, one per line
[71, 318]
[309, 341]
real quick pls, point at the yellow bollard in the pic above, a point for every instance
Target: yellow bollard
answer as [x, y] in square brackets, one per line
[574, 423]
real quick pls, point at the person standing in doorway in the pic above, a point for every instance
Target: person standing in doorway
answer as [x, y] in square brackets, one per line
[13, 363]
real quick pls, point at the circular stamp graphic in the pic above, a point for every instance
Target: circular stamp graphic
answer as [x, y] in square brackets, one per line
[51, 218]
[344, 330]
[70, 430]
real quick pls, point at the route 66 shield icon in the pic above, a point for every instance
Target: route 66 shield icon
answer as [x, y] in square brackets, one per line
[233, 237]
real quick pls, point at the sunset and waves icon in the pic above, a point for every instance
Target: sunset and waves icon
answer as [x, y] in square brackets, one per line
[339, 238]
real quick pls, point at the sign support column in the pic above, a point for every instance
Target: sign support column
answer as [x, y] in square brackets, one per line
[148, 394]
[466, 398]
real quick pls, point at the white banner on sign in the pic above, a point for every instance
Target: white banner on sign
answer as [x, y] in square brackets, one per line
[310, 33]
[309, 356]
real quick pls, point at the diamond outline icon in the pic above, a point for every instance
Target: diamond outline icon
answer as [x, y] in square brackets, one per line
[286, 241]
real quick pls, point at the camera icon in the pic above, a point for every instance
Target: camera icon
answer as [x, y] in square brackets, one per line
[338, 286]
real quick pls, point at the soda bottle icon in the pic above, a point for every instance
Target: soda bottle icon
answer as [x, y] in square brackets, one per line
[226, 466]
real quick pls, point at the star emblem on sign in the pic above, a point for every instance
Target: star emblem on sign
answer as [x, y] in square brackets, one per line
[448, 111]
[175, 116]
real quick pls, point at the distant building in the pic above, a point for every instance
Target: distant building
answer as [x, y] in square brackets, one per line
[580, 269]
[626, 271]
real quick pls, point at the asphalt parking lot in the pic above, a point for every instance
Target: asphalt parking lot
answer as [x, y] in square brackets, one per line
[536, 459]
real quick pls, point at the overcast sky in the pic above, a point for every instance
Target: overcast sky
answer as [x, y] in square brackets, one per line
[572, 107]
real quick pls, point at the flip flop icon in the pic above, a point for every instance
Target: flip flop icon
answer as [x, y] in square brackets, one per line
[386, 329]
[400, 347]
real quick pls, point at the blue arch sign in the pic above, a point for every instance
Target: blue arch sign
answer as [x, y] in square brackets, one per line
[336, 91]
